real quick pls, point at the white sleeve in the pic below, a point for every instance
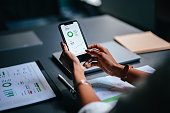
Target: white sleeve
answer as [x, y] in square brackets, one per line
[96, 107]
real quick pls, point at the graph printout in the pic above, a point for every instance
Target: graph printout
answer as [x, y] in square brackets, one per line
[22, 85]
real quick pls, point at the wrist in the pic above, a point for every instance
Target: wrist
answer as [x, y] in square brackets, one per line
[117, 70]
[78, 72]
[125, 71]
[78, 78]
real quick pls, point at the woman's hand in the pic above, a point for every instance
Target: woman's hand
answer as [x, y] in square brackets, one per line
[103, 59]
[86, 92]
[72, 63]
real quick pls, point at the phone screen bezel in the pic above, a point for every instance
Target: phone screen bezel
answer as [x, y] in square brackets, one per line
[81, 57]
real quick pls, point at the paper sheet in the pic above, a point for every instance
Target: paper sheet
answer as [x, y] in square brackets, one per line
[102, 86]
[147, 69]
[21, 85]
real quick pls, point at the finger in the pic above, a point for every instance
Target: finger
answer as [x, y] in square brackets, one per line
[94, 52]
[91, 60]
[86, 63]
[64, 47]
[91, 65]
[98, 46]
[61, 43]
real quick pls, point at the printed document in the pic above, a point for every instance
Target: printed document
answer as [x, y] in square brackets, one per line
[23, 84]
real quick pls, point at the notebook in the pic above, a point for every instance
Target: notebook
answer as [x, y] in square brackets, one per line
[142, 42]
[119, 53]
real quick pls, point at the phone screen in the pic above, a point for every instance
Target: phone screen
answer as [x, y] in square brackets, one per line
[74, 38]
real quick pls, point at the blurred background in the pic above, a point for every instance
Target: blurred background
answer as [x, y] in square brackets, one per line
[150, 15]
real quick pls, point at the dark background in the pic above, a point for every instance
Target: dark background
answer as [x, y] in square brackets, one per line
[145, 14]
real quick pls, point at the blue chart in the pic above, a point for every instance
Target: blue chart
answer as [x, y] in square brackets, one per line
[21, 85]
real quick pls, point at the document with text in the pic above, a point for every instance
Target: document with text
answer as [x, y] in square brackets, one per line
[22, 85]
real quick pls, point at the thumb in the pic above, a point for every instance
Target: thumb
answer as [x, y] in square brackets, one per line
[63, 46]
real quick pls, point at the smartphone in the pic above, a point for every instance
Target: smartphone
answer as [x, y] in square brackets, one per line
[73, 37]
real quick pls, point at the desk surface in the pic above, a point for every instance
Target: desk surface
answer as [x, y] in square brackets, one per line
[96, 29]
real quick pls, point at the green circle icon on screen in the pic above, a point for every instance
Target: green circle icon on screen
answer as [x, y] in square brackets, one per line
[6, 84]
[70, 34]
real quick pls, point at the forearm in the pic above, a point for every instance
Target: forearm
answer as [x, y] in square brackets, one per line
[87, 94]
[133, 74]
[85, 91]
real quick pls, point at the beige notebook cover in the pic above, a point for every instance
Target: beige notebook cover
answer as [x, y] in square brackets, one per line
[142, 42]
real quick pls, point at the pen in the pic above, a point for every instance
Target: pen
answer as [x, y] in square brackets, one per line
[71, 89]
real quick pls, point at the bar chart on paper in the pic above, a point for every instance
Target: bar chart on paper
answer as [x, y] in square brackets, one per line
[23, 84]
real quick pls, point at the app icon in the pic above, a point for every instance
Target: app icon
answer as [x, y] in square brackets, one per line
[70, 34]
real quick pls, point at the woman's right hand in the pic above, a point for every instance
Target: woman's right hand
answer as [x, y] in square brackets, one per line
[103, 59]
[72, 63]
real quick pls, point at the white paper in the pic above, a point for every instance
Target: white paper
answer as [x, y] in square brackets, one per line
[147, 69]
[102, 86]
[21, 85]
